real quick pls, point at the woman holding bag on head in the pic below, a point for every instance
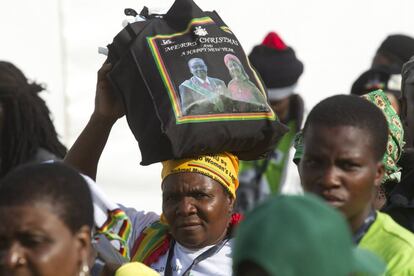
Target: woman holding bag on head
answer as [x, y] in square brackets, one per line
[194, 232]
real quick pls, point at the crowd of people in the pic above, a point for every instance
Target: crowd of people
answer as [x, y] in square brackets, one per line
[334, 197]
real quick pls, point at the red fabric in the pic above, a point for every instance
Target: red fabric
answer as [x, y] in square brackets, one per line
[236, 218]
[205, 85]
[137, 244]
[273, 40]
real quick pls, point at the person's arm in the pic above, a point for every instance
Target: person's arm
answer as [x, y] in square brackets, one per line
[85, 153]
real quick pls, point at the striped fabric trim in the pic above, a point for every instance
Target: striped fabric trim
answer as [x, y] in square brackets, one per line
[117, 228]
[153, 243]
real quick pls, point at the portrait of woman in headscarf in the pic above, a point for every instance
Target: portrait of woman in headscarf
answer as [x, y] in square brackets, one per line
[241, 89]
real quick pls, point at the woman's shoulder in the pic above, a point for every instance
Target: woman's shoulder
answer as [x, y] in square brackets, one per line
[140, 219]
[393, 243]
[396, 232]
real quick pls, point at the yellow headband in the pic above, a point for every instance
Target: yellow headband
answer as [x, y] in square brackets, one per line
[223, 168]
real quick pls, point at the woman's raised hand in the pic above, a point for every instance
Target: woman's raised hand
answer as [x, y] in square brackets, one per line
[108, 105]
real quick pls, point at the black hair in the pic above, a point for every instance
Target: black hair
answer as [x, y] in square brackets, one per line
[350, 110]
[52, 183]
[26, 124]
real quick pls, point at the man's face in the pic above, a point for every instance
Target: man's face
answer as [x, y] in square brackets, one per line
[197, 208]
[198, 68]
[339, 165]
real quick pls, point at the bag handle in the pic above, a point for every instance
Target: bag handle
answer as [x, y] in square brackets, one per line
[181, 13]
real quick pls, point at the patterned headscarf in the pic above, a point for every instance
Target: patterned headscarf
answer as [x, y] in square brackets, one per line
[395, 142]
[223, 168]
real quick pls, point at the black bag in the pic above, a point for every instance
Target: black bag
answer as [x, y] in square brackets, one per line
[189, 89]
[400, 198]
[400, 205]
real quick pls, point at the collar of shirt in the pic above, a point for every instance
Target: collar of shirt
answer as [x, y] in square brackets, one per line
[203, 81]
[360, 233]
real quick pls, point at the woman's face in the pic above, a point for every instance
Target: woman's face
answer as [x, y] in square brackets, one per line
[235, 69]
[197, 208]
[35, 241]
[340, 166]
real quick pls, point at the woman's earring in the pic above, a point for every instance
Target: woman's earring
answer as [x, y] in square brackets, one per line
[85, 269]
[21, 261]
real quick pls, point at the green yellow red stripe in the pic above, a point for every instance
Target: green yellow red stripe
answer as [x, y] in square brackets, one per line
[166, 80]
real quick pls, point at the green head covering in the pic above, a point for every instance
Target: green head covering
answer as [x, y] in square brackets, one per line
[395, 142]
[300, 235]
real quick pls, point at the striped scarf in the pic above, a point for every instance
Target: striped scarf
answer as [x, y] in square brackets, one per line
[153, 242]
[117, 229]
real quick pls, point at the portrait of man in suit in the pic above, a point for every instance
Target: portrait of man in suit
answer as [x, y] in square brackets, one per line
[202, 94]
